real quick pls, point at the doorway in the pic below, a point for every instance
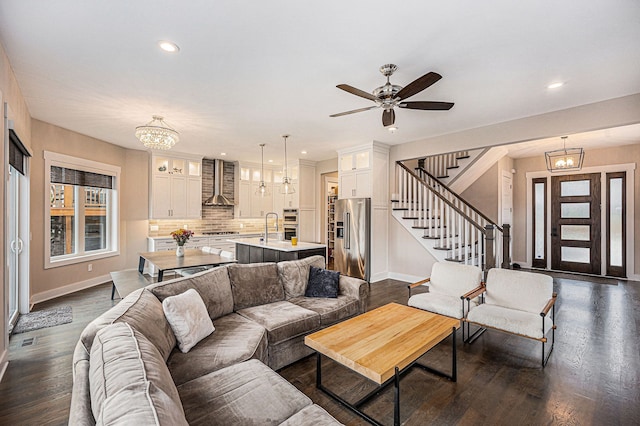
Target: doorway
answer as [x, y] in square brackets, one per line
[576, 223]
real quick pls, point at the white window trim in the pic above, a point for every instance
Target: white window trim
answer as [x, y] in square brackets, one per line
[629, 168]
[61, 160]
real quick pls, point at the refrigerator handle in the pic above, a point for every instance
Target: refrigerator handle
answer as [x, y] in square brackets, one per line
[347, 230]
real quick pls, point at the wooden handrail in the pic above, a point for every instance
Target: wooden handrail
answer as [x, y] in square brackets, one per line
[549, 304]
[458, 196]
[447, 202]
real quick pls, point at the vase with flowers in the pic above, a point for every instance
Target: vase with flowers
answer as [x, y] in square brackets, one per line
[181, 236]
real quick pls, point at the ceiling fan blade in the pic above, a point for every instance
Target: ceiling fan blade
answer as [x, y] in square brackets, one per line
[353, 111]
[357, 92]
[428, 105]
[419, 85]
[388, 117]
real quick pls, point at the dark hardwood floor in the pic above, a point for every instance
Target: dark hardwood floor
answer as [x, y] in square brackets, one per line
[592, 378]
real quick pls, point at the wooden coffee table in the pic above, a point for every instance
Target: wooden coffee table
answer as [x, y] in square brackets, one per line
[382, 345]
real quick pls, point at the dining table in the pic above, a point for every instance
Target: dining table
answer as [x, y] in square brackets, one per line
[193, 258]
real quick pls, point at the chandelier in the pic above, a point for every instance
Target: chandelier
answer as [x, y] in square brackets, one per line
[262, 190]
[287, 183]
[157, 134]
[565, 159]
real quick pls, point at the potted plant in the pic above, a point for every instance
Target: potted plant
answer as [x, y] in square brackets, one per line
[181, 236]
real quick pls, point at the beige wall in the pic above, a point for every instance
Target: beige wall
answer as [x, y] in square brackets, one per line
[46, 283]
[483, 193]
[593, 158]
[19, 113]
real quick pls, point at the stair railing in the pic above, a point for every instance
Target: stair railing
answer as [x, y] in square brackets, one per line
[468, 234]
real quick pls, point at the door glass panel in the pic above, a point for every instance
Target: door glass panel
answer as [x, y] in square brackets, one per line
[574, 210]
[575, 232]
[539, 200]
[362, 160]
[346, 162]
[575, 254]
[615, 221]
[574, 188]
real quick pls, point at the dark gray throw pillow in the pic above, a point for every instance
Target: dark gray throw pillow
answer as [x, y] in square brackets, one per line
[322, 283]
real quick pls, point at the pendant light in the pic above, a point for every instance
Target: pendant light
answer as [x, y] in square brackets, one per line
[262, 188]
[564, 159]
[287, 184]
[157, 134]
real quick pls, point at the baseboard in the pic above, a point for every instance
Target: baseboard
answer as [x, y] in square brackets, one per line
[404, 277]
[4, 363]
[378, 277]
[68, 289]
[633, 277]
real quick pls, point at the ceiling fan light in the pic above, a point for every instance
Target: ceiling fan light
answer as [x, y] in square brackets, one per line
[157, 134]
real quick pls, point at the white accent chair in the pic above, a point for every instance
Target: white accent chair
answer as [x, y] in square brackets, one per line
[448, 284]
[516, 302]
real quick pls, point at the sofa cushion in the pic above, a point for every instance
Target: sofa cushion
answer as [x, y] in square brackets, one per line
[294, 274]
[526, 291]
[454, 279]
[330, 310]
[188, 318]
[248, 393]
[236, 339]
[141, 404]
[144, 312]
[440, 303]
[322, 283]
[283, 320]
[255, 284]
[512, 320]
[213, 286]
[311, 415]
[121, 357]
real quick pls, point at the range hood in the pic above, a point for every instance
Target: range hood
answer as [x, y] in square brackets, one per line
[217, 199]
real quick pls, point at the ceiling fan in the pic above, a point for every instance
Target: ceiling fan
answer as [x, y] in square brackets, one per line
[390, 95]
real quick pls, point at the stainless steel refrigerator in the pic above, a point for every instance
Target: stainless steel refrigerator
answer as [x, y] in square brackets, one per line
[352, 252]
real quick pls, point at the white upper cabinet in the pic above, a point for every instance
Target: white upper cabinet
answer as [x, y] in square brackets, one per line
[363, 172]
[176, 186]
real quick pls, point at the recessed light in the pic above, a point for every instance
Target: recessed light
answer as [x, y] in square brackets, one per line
[392, 129]
[303, 152]
[168, 46]
[223, 153]
[271, 161]
[555, 85]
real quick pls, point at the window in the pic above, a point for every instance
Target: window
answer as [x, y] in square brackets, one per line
[81, 210]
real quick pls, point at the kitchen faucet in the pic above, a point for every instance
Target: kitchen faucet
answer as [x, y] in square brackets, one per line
[266, 226]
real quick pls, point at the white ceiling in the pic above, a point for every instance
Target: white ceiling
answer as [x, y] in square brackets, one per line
[248, 72]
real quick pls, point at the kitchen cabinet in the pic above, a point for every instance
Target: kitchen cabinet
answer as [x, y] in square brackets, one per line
[362, 172]
[175, 187]
[253, 205]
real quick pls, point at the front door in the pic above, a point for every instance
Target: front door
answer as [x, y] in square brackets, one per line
[575, 223]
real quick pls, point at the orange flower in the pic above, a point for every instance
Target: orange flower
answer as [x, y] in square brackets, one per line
[181, 236]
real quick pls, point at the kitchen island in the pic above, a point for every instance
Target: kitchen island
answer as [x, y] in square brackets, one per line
[252, 250]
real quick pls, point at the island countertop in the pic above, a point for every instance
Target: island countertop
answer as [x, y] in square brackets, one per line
[277, 245]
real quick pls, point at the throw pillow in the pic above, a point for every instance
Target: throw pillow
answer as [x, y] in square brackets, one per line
[322, 283]
[188, 317]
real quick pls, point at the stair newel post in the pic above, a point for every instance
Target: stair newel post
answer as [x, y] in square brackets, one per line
[490, 257]
[506, 241]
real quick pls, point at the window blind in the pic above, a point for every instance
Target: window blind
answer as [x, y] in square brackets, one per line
[67, 176]
[17, 152]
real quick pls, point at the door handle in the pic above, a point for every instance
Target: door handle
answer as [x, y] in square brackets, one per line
[347, 230]
[13, 246]
[20, 245]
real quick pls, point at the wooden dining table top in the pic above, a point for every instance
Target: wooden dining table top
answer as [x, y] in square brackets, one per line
[376, 342]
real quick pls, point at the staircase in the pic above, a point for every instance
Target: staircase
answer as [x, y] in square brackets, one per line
[444, 223]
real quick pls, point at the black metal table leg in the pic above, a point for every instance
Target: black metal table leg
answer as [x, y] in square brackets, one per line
[160, 275]
[396, 399]
[454, 361]
[113, 290]
[141, 264]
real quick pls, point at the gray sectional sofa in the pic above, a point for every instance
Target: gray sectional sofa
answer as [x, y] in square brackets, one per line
[127, 368]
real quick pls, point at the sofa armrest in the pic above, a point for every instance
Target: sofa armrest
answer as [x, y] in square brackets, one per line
[80, 412]
[356, 288]
[549, 305]
[475, 292]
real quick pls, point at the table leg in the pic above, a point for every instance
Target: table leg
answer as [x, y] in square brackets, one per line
[318, 370]
[454, 362]
[160, 275]
[141, 264]
[396, 399]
